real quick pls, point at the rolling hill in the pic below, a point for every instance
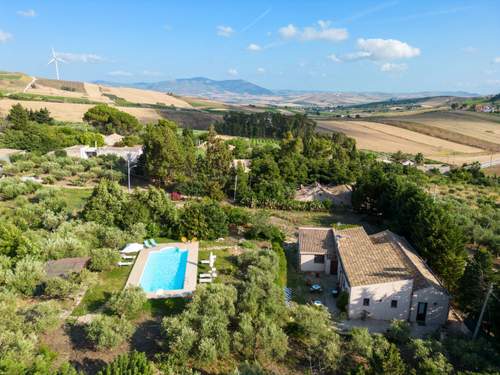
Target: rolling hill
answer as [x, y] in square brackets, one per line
[198, 86]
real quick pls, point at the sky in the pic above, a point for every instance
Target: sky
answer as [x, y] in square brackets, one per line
[385, 46]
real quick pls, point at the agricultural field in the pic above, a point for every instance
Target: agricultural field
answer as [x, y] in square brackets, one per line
[484, 127]
[74, 112]
[145, 96]
[449, 137]
[13, 82]
[385, 138]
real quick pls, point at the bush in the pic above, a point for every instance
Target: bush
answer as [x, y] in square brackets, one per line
[106, 332]
[124, 364]
[399, 331]
[342, 301]
[58, 287]
[43, 316]
[237, 216]
[28, 274]
[103, 259]
[205, 220]
[128, 302]
[260, 228]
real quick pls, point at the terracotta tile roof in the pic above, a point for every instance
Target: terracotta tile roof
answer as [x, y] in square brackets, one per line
[366, 262]
[424, 277]
[376, 259]
[316, 240]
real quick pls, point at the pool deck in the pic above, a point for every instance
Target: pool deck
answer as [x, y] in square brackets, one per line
[134, 279]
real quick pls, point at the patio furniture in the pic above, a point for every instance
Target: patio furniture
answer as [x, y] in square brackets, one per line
[127, 256]
[121, 264]
[147, 244]
[205, 280]
[208, 275]
[316, 288]
[153, 242]
[132, 248]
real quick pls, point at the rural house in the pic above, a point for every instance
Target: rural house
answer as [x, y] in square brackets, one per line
[382, 274]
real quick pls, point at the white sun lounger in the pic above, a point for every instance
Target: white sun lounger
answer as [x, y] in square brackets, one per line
[205, 280]
[208, 275]
[125, 263]
[205, 261]
[127, 256]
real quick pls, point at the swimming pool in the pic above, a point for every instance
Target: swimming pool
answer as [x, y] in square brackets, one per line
[165, 269]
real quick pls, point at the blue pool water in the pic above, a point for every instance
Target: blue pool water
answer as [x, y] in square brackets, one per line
[165, 269]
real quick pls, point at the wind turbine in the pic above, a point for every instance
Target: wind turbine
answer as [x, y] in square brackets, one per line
[55, 60]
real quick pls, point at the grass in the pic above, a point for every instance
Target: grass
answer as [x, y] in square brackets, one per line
[97, 295]
[74, 198]
[225, 264]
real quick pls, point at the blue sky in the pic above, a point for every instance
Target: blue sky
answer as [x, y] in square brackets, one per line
[393, 45]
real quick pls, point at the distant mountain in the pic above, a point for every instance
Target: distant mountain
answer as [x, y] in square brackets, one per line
[198, 86]
[239, 91]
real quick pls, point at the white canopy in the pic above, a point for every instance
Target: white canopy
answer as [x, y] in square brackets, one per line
[132, 248]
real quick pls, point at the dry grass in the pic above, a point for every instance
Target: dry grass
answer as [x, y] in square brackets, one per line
[386, 138]
[74, 112]
[461, 127]
[13, 82]
[145, 96]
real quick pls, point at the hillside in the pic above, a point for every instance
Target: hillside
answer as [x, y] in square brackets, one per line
[69, 100]
[199, 86]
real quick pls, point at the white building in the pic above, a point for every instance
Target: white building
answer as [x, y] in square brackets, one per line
[382, 274]
[85, 152]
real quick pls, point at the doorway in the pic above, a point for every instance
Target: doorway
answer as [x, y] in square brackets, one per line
[421, 312]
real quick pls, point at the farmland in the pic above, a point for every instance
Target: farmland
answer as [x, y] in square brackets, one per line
[451, 137]
[73, 112]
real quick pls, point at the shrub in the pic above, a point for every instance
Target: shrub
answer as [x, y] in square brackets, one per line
[58, 287]
[60, 153]
[342, 301]
[261, 229]
[106, 332]
[43, 316]
[399, 331]
[237, 215]
[27, 275]
[128, 302]
[133, 363]
[206, 220]
[103, 259]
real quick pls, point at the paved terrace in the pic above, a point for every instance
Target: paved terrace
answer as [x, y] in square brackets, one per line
[134, 278]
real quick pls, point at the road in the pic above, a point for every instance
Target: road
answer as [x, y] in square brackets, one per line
[29, 84]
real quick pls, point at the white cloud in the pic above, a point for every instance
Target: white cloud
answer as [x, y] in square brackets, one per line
[225, 31]
[391, 67]
[289, 31]
[5, 36]
[120, 73]
[87, 58]
[333, 57]
[496, 60]
[322, 31]
[27, 13]
[232, 72]
[383, 49]
[261, 70]
[254, 47]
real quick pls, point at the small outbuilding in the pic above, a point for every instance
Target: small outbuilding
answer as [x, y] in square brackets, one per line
[65, 266]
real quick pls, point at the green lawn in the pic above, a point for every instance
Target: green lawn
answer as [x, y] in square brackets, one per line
[225, 264]
[74, 198]
[97, 295]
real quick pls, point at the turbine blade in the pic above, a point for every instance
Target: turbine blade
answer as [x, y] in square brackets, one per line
[51, 61]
